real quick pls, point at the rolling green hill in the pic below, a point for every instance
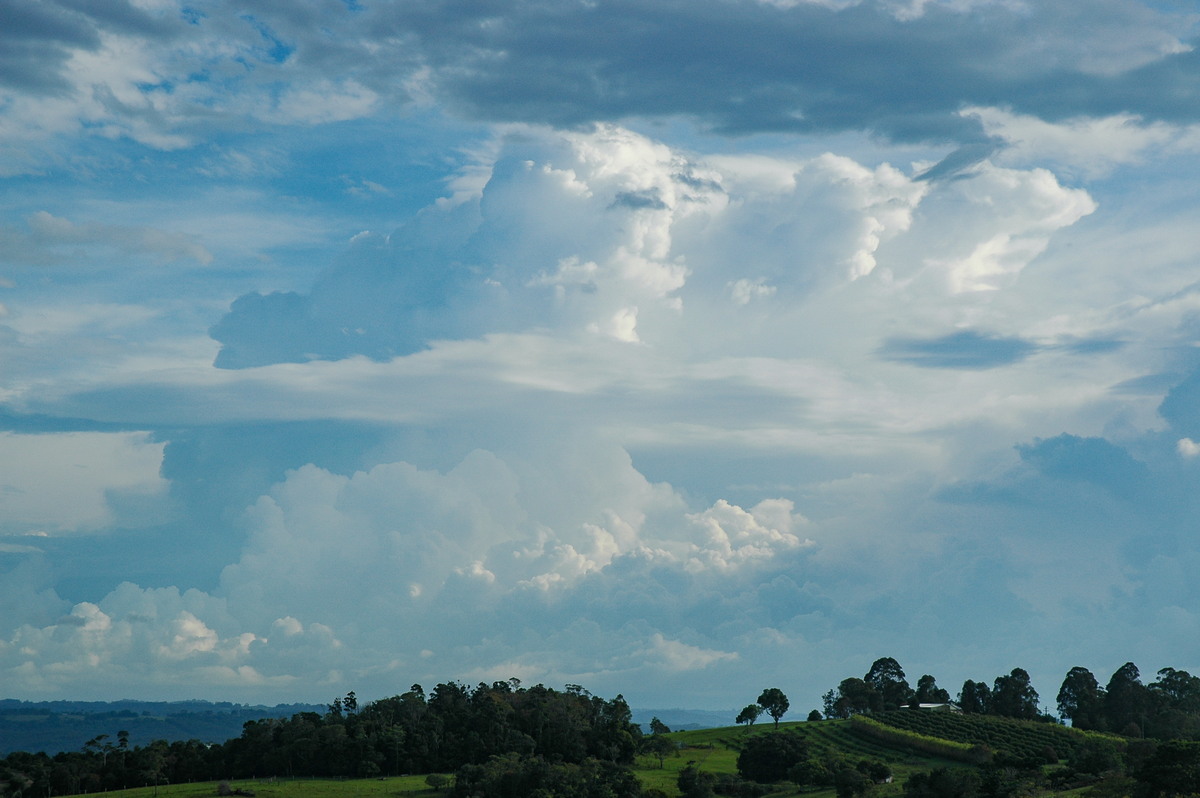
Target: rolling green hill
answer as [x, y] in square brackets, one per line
[716, 751]
[1019, 741]
[1008, 741]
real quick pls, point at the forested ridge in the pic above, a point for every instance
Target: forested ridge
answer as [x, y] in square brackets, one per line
[507, 740]
[452, 729]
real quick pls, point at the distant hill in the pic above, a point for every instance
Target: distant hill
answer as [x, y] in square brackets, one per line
[684, 719]
[54, 726]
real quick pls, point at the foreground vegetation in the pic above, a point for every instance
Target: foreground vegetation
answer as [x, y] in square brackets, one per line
[710, 751]
[877, 739]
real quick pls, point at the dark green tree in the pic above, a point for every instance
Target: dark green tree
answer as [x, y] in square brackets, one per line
[829, 704]
[1013, 696]
[1175, 705]
[767, 758]
[812, 771]
[850, 782]
[1094, 756]
[854, 697]
[1173, 769]
[516, 776]
[891, 690]
[929, 693]
[659, 747]
[658, 727]
[975, 698]
[1177, 689]
[878, 770]
[694, 782]
[749, 714]
[814, 715]
[774, 703]
[943, 783]
[1126, 701]
[1081, 700]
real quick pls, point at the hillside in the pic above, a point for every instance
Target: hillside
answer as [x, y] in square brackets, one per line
[1009, 742]
[1012, 740]
[713, 750]
[506, 739]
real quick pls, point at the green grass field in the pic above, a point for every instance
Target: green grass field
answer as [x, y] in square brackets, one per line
[297, 788]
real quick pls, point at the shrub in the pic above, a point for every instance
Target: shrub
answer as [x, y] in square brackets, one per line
[768, 758]
[695, 783]
[731, 785]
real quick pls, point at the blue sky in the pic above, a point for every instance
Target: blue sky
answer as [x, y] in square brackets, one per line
[677, 349]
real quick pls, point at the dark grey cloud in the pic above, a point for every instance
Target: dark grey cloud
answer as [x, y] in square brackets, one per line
[1181, 406]
[122, 16]
[734, 67]
[961, 350]
[750, 67]
[37, 39]
[639, 199]
[958, 161]
[1093, 460]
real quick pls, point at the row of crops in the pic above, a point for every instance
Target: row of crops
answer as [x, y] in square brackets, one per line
[1010, 739]
[824, 736]
[838, 737]
[922, 743]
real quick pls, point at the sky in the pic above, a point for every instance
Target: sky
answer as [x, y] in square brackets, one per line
[672, 348]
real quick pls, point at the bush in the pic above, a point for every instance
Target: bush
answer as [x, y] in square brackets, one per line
[810, 771]
[850, 782]
[1095, 756]
[768, 758]
[729, 784]
[943, 783]
[695, 783]
[513, 775]
[876, 770]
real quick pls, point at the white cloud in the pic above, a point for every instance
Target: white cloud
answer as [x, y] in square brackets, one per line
[733, 536]
[486, 528]
[1003, 220]
[53, 240]
[66, 482]
[1091, 147]
[760, 291]
[166, 246]
[323, 102]
[679, 656]
[744, 291]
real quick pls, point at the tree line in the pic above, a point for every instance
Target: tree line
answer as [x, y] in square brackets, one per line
[885, 688]
[1167, 708]
[567, 737]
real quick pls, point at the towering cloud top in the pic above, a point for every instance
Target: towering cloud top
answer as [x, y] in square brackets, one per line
[350, 344]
